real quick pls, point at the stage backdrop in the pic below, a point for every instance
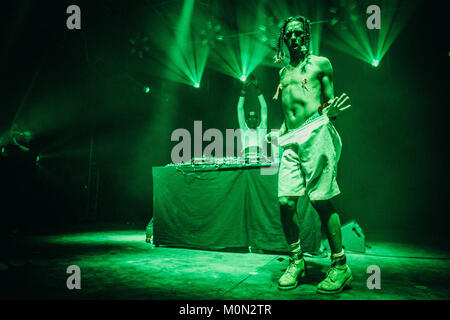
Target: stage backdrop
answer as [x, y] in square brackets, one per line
[224, 209]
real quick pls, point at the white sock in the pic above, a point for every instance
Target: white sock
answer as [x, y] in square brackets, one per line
[337, 255]
[295, 247]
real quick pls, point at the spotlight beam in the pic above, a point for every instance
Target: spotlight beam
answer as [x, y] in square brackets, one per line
[185, 61]
[356, 40]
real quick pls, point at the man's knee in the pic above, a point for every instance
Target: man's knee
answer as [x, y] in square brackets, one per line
[323, 207]
[287, 202]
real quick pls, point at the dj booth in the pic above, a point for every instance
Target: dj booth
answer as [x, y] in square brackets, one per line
[224, 207]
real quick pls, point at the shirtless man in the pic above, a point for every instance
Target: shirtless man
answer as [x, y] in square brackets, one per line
[309, 165]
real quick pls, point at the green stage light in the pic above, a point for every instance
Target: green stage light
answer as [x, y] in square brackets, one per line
[197, 85]
[178, 35]
[146, 89]
[244, 49]
[352, 36]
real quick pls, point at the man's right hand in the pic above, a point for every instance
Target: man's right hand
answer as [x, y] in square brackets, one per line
[272, 137]
[251, 80]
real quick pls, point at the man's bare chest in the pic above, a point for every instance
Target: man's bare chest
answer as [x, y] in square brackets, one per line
[301, 78]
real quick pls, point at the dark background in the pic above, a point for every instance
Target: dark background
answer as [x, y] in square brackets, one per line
[73, 86]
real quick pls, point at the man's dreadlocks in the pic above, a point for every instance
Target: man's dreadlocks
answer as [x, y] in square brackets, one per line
[306, 39]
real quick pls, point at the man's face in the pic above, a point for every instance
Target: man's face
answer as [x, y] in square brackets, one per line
[252, 121]
[294, 36]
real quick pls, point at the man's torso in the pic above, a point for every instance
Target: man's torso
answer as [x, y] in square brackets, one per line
[301, 91]
[252, 137]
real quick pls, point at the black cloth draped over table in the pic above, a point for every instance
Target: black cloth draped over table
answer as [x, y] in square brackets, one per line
[221, 209]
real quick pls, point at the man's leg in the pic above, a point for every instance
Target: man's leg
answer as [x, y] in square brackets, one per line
[339, 276]
[330, 220]
[289, 219]
[289, 222]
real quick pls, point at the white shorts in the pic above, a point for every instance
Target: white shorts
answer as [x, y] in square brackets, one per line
[309, 164]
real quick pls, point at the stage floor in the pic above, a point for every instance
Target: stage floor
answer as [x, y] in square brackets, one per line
[120, 265]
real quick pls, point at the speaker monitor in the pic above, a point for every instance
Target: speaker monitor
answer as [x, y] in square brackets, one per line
[353, 238]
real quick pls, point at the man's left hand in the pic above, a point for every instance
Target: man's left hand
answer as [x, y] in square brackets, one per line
[337, 106]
